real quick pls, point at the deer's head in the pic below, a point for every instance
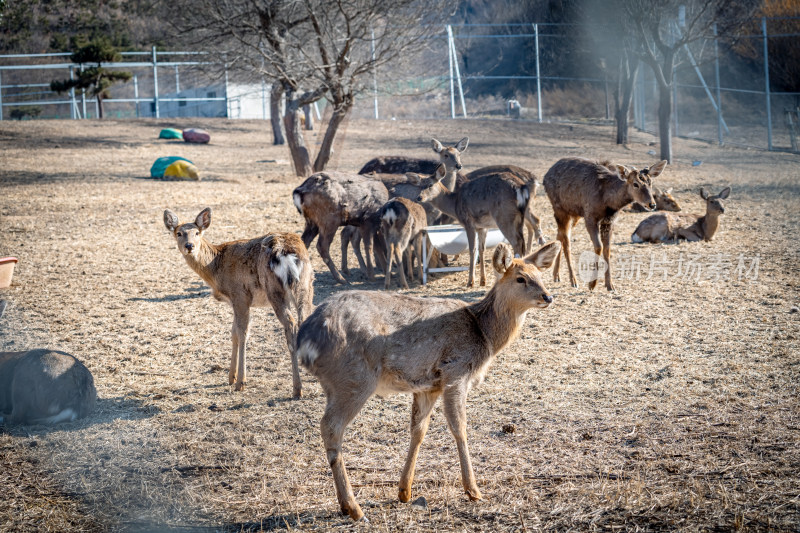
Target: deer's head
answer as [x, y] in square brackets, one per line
[450, 156]
[714, 203]
[640, 182]
[666, 202]
[188, 235]
[520, 280]
[435, 188]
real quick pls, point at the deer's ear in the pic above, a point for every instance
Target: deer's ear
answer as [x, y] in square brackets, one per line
[437, 146]
[657, 169]
[170, 220]
[543, 257]
[462, 144]
[203, 220]
[669, 191]
[623, 171]
[501, 259]
[703, 194]
[413, 178]
[441, 170]
[724, 192]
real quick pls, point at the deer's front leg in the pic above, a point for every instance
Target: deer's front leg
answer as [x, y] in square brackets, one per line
[455, 410]
[241, 323]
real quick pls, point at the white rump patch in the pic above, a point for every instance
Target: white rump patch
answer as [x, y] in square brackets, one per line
[635, 238]
[307, 353]
[66, 415]
[522, 197]
[297, 201]
[288, 265]
[390, 216]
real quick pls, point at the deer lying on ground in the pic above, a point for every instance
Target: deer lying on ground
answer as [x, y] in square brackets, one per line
[582, 188]
[667, 226]
[532, 222]
[402, 222]
[664, 202]
[44, 387]
[328, 200]
[360, 343]
[270, 270]
[491, 201]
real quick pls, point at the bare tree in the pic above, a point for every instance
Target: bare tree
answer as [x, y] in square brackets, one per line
[310, 49]
[662, 28]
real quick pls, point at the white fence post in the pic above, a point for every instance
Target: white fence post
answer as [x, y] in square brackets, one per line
[450, 58]
[1, 95]
[538, 78]
[719, 94]
[374, 74]
[766, 83]
[155, 83]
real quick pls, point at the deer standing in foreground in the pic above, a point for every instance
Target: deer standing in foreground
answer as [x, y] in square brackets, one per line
[360, 343]
[664, 202]
[579, 188]
[667, 226]
[270, 270]
[402, 222]
[491, 201]
[328, 200]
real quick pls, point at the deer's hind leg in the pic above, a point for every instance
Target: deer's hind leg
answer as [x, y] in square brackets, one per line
[282, 304]
[343, 405]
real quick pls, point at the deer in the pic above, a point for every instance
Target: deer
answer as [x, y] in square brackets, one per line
[450, 156]
[664, 202]
[273, 269]
[44, 386]
[663, 227]
[580, 188]
[328, 200]
[492, 201]
[362, 343]
[402, 222]
[389, 170]
[532, 222]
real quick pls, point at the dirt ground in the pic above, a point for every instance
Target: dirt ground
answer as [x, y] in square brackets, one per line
[669, 404]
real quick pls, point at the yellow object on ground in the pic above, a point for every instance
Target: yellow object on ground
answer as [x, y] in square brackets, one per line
[182, 169]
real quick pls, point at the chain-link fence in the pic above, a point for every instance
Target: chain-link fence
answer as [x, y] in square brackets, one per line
[722, 93]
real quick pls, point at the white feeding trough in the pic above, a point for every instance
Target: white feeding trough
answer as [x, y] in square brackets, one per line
[451, 239]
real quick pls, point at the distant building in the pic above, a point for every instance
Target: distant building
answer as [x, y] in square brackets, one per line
[239, 101]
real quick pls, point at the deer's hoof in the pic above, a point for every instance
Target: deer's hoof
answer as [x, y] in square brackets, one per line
[474, 494]
[404, 495]
[297, 394]
[239, 386]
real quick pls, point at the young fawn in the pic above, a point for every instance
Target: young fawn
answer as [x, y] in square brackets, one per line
[668, 226]
[498, 200]
[664, 202]
[360, 343]
[402, 222]
[270, 270]
[579, 188]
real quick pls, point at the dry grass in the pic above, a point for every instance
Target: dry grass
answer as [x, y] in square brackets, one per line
[671, 404]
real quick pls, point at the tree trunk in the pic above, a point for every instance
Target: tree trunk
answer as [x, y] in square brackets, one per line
[665, 121]
[623, 98]
[294, 136]
[99, 106]
[275, 96]
[325, 149]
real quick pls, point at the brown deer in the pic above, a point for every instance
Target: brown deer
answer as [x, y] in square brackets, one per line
[402, 222]
[450, 156]
[270, 270]
[491, 201]
[667, 226]
[360, 343]
[664, 202]
[582, 188]
[44, 387]
[328, 200]
[532, 222]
